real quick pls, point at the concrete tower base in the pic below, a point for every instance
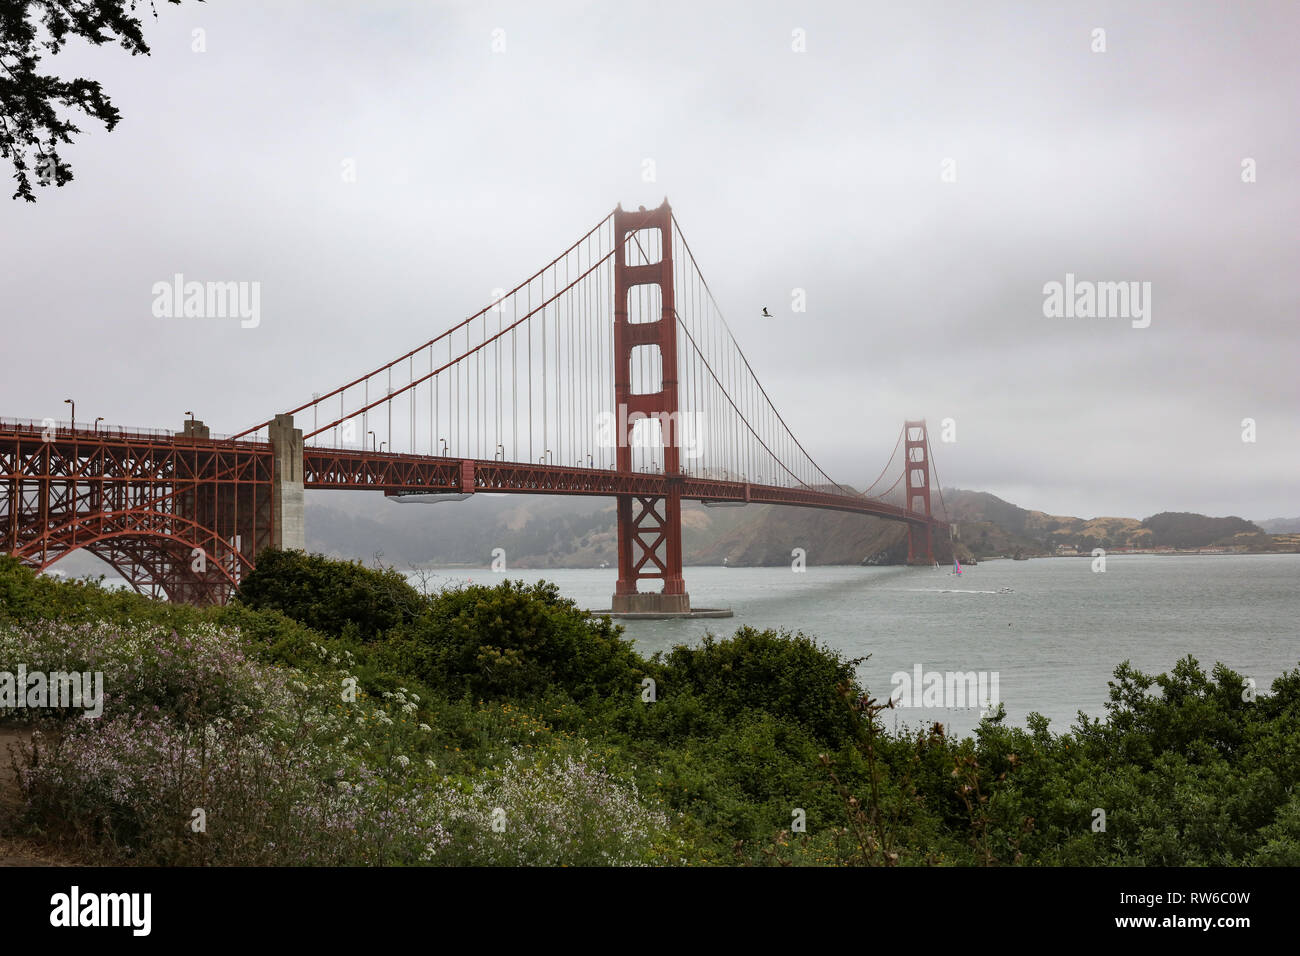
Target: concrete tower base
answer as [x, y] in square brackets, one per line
[651, 603]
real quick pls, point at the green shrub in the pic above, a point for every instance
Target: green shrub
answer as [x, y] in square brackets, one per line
[789, 676]
[515, 641]
[332, 597]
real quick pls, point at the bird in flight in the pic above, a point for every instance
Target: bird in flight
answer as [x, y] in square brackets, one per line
[766, 314]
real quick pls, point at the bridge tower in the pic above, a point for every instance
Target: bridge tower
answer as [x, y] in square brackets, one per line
[916, 465]
[649, 526]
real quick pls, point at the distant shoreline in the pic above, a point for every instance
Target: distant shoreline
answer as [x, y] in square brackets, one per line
[978, 560]
[1158, 554]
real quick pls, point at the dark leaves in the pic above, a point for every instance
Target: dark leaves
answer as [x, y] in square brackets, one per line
[37, 109]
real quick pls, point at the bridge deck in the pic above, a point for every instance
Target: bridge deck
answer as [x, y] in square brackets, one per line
[357, 469]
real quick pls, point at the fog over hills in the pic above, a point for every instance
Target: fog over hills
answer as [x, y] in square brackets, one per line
[541, 532]
[1280, 525]
[538, 531]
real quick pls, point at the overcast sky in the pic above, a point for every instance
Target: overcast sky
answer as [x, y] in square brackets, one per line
[821, 170]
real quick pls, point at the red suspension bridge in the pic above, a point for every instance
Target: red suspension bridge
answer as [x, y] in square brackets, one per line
[610, 371]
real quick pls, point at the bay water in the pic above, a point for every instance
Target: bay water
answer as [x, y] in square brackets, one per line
[1053, 640]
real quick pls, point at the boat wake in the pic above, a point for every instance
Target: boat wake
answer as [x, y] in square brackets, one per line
[949, 591]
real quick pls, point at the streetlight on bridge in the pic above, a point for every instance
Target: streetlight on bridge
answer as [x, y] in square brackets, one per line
[97, 421]
[372, 440]
[68, 401]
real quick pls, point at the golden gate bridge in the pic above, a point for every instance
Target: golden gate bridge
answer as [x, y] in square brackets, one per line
[610, 372]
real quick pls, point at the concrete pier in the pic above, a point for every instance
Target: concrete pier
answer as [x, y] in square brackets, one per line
[288, 519]
[649, 602]
[655, 615]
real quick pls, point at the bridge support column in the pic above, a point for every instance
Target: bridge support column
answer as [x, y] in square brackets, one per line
[920, 541]
[649, 527]
[192, 578]
[650, 533]
[288, 520]
[916, 462]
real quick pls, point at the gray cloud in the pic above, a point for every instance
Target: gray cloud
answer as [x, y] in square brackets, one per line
[818, 170]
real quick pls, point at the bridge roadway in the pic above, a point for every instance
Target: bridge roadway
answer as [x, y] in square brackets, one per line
[161, 459]
[403, 473]
[147, 501]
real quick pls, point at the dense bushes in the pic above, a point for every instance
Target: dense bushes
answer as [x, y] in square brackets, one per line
[1202, 774]
[479, 699]
[788, 676]
[211, 751]
[515, 641]
[332, 597]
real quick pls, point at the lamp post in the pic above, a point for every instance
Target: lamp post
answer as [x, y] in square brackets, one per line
[68, 401]
[97, 421]
[372, 440]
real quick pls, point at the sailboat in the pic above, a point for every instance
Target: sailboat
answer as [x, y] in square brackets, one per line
[956, 566]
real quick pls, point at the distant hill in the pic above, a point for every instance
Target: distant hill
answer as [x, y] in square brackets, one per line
[990, 526]
[538, 531]
[767, 536]
[558, 532]
[1280, 525]
[534, 531]
[1178, 529]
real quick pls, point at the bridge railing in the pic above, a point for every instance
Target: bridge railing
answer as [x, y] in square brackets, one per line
[63, 429]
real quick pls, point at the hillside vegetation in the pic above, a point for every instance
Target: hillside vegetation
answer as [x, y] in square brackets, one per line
[990, 526]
